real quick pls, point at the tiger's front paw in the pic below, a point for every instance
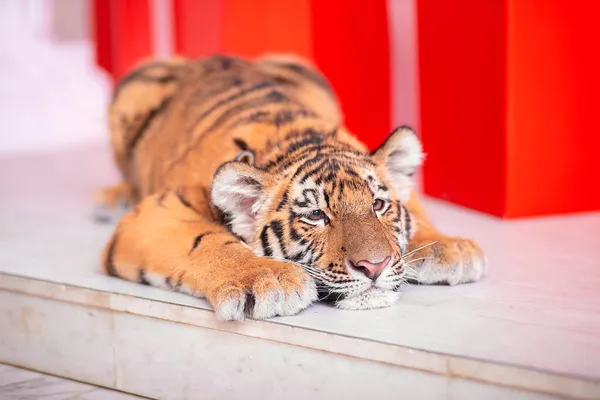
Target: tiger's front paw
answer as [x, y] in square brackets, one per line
[447, 261]
[265, 289]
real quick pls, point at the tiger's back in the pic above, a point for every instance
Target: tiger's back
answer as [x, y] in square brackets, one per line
[192, 116]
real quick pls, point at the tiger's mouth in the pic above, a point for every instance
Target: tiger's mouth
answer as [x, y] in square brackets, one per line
[362, 294]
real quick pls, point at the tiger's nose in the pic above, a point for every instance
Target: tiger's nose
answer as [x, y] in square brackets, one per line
[372, 270]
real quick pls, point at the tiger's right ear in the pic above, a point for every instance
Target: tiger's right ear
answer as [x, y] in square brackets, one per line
[398, 158]
[237, 191]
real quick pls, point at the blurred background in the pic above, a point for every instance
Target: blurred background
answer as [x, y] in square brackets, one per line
[502, 93]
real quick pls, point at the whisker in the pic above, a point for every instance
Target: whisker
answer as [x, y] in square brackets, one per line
[418, 248]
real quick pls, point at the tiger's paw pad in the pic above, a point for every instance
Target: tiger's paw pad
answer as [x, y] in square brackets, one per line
[448, 261]
[265, 293]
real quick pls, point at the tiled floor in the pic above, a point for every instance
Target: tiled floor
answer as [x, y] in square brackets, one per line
[21, 384]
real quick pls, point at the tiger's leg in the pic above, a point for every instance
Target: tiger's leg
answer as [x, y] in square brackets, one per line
[449, 260]
[170, 240]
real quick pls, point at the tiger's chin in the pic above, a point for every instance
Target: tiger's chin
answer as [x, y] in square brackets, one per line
[369, 299]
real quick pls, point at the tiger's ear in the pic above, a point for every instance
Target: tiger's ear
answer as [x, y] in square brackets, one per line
[236, 191]
[398, 158]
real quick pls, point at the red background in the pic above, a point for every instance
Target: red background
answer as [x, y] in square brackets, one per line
[508, 88]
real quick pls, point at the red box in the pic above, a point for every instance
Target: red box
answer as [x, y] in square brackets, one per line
[508, 104]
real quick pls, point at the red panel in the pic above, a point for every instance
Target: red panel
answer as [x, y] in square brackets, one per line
[351, 46]
[101, 20]
[462, 61]
[131, 34]
[198, 27]
[553, 107]
[252, 28]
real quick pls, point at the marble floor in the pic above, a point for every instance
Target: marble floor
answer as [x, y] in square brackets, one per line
[531, 323]
[22, 384]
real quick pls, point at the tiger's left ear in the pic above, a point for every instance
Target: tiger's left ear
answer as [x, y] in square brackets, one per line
[398, 158]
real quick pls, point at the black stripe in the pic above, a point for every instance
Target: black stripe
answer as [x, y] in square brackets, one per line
[273, 97]
[218, 63]
[233, 97]
[218, 85]
[341, 190]
[305, 155]
[138, 75]
[169, 283]
[284, 200]
[352, 172]
[301, 204]
[294, 235]
[197, 241]
[407, 221]
[305, 159]
[264, 240]
[230, 242]
[142, 277]
[255, 117]
[307, 73]
[319, 253]
[284, 117]
[109, 262]
[278, 119]
[184, 201]
[326, 196]
[146, 79]
[330, 177]
[315, 196]
[277, 229]
[308, 137]
[314, 171]
[240, 144]
[144, 126]
[299, 256]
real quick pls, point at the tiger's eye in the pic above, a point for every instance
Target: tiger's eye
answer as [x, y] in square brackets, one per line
[316, 215]
[378, 205]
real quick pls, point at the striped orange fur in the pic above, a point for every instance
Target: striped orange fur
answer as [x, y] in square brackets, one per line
[248, 190]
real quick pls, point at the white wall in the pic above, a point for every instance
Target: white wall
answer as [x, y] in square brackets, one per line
[51, 95]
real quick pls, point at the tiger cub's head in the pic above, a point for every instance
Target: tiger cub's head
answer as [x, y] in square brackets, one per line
[336, 211]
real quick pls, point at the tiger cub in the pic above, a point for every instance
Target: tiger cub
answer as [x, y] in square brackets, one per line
[248, 190]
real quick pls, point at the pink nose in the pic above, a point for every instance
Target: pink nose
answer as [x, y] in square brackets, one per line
[371, 270]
